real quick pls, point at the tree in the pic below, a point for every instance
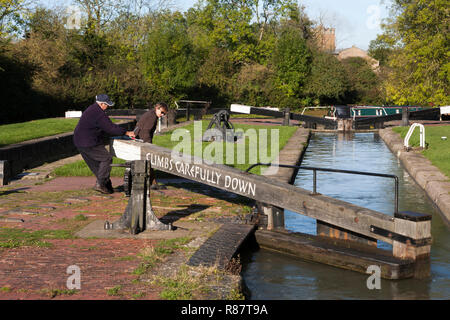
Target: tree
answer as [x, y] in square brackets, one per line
[381, 49]
[12, 14]
[100, 12]
[420, 67]
[170, 61]
[216, 74]
[228, 26]
[327, 83]
[364, 86]
[292, 62]
[253, 85]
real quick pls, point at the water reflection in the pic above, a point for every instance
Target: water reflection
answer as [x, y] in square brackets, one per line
[270, 275]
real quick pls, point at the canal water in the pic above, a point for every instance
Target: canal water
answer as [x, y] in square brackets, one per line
[271, 275]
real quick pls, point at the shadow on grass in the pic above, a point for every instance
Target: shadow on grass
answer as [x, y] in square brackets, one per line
[7, 192]
[175, 215]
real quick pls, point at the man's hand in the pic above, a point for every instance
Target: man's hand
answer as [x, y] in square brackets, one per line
[130, 134]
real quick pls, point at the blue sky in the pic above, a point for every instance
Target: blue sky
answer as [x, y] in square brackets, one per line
[356, 21]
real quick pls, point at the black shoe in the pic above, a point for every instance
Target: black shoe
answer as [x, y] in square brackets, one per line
[102, 189]
[109, 186]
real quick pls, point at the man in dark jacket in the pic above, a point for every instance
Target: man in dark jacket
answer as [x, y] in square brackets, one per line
[145, 129]
[88, 138]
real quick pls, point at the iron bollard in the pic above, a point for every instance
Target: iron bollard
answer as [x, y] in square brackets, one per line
[139, 215]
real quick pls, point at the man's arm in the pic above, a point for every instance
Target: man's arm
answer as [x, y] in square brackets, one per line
[109, 127]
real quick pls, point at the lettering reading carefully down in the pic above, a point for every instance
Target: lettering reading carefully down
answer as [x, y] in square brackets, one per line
[198, 173]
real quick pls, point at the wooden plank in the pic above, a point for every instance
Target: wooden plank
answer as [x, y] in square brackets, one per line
[311, 119]
[276, 193]
[327, 230]
[311, 248]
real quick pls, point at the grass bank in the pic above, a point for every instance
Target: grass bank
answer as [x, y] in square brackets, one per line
[257, 146]
[24, 131]
[438, 149]
[80, 169]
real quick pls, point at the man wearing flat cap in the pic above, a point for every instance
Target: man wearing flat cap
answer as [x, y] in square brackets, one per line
[88, 138]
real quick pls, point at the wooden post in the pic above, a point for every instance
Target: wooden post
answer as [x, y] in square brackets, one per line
[405, 117]
[416, 231]
[379, 125]
[275, 215]
[344, 124]
[171, 117]
[287, 117]
[139, 167]
[4, 172]
[309, 125]
[188, 111]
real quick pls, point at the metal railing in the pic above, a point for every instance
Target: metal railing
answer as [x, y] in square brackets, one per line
[410, 132]
[315, 169]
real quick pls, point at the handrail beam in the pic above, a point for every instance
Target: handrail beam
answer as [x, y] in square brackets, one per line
[315, 169]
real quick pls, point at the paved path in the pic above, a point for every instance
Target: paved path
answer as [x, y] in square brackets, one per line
[37, 242]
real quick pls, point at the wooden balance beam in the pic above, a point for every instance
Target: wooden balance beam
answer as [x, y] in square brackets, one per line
[409, 233]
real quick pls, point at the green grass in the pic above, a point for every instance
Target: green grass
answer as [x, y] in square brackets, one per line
[152, 255]
[438, 150]
[52, 293]
[285, 133]
[191, 283]
[15, 238]
[19, 132]
[80, 217]
[23, 131]
[176, 290]
[114, 291]
[80, 168]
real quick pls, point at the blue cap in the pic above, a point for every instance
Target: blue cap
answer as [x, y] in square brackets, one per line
[103, 98]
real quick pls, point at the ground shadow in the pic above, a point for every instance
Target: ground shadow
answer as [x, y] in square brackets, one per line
[175, 215]
[7, 192]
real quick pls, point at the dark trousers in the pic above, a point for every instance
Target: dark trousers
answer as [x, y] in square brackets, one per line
[99, 161]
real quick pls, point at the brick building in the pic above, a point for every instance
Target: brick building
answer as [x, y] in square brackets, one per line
[357, 52]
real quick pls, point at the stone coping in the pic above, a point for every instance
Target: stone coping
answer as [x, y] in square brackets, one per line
[427, 176]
